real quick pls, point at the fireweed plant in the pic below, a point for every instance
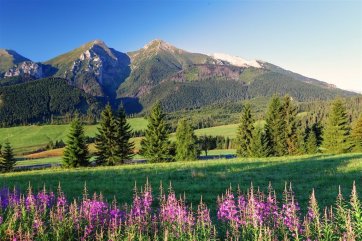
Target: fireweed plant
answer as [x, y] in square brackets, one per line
[252, 215]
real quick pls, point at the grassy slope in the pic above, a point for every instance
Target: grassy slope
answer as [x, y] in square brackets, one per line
[28, 138]
[206, 178]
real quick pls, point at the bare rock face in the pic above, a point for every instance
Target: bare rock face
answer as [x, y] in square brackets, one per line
[25, 68]
[99, 70]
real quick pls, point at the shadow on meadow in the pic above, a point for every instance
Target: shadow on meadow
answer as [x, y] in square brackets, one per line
[208, 179]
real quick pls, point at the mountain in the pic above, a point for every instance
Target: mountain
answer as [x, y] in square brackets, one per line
[277, 69]
[93, 67]
[161, 72]
[9, 58]
[156, 61]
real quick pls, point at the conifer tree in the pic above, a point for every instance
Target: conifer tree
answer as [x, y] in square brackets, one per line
[123, 136]
[318, 130]
[357, 135]
[311, 145]
[289, 115]
[245, 133]
[7, 159]
[76, 150]
[105, 141]
[259, 144]
[156, 146]
[205, 143]
[186, 142]
[301, 138]
[336, 136]
[275, 128]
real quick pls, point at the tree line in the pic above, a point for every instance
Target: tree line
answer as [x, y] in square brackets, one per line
[283, 133]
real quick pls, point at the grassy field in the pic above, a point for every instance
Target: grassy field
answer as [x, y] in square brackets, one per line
[25, 139]
[208, 179]
[55, 156]
[224, 130]
[30, 138]
[48, 160]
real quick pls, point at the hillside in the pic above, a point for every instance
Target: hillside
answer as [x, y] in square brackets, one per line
[159, 71]
[40, 100]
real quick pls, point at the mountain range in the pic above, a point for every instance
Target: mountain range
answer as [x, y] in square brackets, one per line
[160, 72]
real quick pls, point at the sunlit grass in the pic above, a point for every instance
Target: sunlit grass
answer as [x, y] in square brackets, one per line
[324, 173]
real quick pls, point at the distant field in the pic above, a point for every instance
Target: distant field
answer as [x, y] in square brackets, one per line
[49, 160]
[25, 139]
[225, 130]
[208, 179]
[42, 158]
[30, 138]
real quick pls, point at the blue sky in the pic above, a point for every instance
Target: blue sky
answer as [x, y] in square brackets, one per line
[320, 39]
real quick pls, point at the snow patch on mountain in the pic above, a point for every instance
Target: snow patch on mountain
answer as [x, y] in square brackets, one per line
[235, 60]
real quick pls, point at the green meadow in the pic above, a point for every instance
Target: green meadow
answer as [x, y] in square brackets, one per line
[207, 178]
[29, 138]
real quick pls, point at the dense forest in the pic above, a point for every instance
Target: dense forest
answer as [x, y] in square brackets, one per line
[41, 101]
[207, 103]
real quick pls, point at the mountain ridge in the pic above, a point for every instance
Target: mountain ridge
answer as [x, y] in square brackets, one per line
[159, 71]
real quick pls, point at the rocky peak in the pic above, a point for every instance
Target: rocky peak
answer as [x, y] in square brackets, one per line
[8, 58]
[25, 68]
[159, 44]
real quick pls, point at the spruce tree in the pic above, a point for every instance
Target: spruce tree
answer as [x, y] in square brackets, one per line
[186, 142]
[275, 128]
[245, 133]
[336, 136]
[156, 146]
[357, 135]
[105, 141]
[301, 138]
[123, 136]
[259, 144]
[76, 150]
[7, 159]
[311, 145]
[289, 114]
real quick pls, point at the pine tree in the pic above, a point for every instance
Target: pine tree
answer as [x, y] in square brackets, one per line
[186, 142]
[357, 135]
[245, 133]
[259, 144]
[7, 159]
[275, 128]
[289, 113]
[301, 138]
[336, 136]
[105, 141]
[76, 150]
[123, 136]
[311, 145]
[156, 146]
